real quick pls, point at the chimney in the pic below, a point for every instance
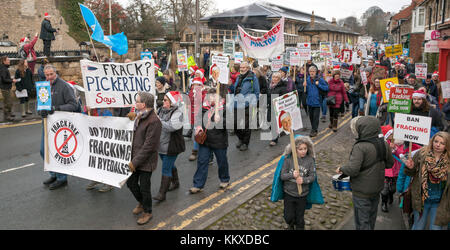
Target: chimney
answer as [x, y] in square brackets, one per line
[312, 19]
[333, 21]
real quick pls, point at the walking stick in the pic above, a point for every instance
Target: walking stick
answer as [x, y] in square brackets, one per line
[304, 81]
[47, 159]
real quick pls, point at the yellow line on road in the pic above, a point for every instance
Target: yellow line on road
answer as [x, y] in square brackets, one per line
[20, 124]
[206, 211]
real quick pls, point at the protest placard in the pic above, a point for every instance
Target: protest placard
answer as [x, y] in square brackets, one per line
[238, 57]
[146, 55]
[400, 99]
[421, 70]
[44, 95]
[412, 128]
[182, 60]
[90, 147]
[228, 47]
[288, 103]
[277, 63]
[221, 63]
[294, 59]
[385, 86]
[115, 85]
[395, 50]
[445, 89]
[325, 49]
[304, 50]
[364, 78]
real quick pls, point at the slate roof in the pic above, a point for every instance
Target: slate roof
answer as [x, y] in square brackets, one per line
[326, 27]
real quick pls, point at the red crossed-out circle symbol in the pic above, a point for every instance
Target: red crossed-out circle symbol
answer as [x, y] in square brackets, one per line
[66, 141]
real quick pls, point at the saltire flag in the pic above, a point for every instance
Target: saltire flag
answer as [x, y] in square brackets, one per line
[117, 42]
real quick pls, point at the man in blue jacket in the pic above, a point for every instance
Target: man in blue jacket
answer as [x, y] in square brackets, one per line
[314, 84]
[246, 96]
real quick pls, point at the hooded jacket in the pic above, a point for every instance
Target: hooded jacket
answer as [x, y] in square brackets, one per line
[369, 182]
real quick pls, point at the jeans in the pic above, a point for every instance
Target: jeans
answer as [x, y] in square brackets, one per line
[139, 184]
[294, 211]
[168, 163]
[324, 107]
[201, 174]
[362, 101]
[365, 212]
[391, 115]
[429, 211]
[314, 115]
[355, 108]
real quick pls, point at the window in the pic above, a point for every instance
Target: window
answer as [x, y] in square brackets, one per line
[421, 21]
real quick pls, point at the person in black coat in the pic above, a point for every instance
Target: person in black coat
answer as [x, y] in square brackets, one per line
[26, 82]
[276, 89]
[216, 141]
[47, 34]
[5, 87]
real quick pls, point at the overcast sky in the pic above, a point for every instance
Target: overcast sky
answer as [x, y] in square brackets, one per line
[325, 8]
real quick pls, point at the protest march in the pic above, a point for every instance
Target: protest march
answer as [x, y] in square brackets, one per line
[324, 129]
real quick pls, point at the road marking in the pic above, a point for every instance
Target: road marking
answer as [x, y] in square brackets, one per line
[12, 169]
[228, 198]
[20, 124]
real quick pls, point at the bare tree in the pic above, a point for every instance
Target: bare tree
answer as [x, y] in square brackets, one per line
[143, 19]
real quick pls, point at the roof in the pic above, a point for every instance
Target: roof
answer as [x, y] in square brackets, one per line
[327, 27]
[267, 10]
[407, 12]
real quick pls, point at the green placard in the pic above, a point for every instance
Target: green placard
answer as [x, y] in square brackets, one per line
[400, 99]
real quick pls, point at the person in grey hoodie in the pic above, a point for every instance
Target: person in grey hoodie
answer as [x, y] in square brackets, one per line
[295, 203]
[171, 142]
[366, 170]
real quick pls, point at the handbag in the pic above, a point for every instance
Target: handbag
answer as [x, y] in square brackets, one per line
[407, 200]
[331, 100]
[200, 137]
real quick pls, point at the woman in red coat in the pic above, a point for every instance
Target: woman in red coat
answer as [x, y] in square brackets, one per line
[28, 47]
[337, 89]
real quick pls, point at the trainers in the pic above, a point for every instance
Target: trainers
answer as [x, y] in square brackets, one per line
[224, 185]
[57, 185]
[138, 209]
[194, 190]
[105, 188]
[92, 185]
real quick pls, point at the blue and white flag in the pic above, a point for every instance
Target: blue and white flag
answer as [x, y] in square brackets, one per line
[44, 94]
[117, 42]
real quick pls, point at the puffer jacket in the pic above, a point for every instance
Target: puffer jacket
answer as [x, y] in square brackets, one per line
[443, 210]
[313, 97]
[246, 85]
[337, 89]
[369, 182]
[171, 141]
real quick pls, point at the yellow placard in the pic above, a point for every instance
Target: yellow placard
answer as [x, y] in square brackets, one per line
[386, 85]
[396, 50]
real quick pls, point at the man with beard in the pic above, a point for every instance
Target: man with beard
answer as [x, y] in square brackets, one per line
[420, 106]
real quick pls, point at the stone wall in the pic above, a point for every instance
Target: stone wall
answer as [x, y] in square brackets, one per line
[22, 17]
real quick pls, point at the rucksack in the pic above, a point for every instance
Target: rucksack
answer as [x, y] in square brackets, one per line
[22, 53]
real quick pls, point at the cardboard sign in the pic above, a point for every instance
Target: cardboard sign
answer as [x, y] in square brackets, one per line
[44, 95]
[277, 63]
[346, 56]
[412, 128]
[238, 57]
[182, 60]
[400, 99]
[220, 69]
[263, 62]
[421, 70]
[325, 49]
[146, 55]
[386, 85]
[396, 50]
[288, 103]
[304, 49]
[405, 52]
[356, 58]
[115, 85]
[90, 147]
[364, 78]
[294, 59]
[228, 47]
[445, 89]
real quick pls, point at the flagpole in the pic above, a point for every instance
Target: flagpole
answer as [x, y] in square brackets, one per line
[110, 29]
[89, 34]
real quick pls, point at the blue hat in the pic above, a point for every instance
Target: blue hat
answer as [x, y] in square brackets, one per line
[285, 69]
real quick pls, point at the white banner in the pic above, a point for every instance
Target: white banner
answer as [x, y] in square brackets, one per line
[412, 128]
[90, 147]
[267, 46]
[115, 85]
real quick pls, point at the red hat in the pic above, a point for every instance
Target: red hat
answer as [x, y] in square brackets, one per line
[283, 115]
[407, 76]
[387, 131]
[201, 71]
[193, 69]
[419, 93]
[197, 80]
[24, 39]
[435, 73]
[175, 97]
[336, 67]
[46, 15]
[157, 66]
[72, 82]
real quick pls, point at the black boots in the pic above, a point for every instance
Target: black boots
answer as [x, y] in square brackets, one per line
[175, 182]
[384, 207]
[335, 124]
[165, 182]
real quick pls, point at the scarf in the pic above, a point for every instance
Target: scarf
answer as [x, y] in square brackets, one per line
[141, 115]
[433, 171]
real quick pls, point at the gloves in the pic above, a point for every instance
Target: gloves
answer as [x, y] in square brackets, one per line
[54, 108]
[44, 113]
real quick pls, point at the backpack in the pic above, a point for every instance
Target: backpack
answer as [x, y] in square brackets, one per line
[22, 54]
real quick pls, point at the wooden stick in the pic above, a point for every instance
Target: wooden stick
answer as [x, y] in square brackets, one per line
[184, 82]
[294, 156]
[47, 159]
[410, 151]
[304, 77]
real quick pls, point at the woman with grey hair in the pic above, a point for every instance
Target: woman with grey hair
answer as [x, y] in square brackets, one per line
[277, 88]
